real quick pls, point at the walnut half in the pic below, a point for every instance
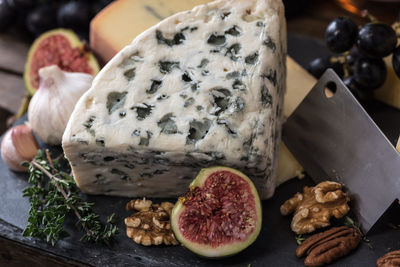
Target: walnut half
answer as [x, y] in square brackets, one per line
[315, 206]
[139, 205]
[151, 224]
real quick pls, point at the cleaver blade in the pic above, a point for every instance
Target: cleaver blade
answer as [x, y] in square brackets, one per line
[334, 138]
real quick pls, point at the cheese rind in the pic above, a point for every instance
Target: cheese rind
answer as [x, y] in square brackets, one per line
[203, 87]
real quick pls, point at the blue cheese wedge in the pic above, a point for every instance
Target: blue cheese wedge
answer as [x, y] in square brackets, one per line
[201, 88]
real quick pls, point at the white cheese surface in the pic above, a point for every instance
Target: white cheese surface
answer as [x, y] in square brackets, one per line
[202, 87]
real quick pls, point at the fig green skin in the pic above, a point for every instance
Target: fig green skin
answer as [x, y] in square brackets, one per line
[221, 251]
[74, 41]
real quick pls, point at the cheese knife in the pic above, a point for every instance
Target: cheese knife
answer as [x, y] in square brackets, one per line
[334, 138]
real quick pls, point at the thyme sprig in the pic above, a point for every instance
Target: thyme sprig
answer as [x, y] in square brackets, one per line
[300, 239]
[349, 222]
[394, 226]
[53, 195]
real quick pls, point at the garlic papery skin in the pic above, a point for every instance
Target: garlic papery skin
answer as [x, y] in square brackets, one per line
[52, 104]
[18, 145]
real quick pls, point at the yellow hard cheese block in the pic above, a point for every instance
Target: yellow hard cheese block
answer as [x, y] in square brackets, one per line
[298, 83]
[398, 145]
[119, 23]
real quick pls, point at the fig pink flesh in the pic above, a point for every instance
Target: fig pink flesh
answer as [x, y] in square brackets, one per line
[220, 212]
[57, 50]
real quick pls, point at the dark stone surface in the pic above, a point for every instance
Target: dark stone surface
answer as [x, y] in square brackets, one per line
[275, 246]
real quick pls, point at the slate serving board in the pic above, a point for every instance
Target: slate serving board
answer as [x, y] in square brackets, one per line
[275, 246]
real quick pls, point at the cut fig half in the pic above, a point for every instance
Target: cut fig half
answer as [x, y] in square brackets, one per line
[220, 215]
[59, 47]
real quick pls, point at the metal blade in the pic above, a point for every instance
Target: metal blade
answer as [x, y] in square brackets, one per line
[335, 139]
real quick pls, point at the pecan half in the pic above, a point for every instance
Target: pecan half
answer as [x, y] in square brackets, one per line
[391, 259]
[325, 247]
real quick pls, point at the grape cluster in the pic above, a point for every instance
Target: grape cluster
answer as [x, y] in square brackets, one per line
[358, 54]
[34, 17]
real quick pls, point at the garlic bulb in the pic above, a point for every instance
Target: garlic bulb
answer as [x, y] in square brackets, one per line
[18, 145]
[52, 104]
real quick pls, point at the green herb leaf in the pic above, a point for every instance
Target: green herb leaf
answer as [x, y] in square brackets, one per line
[300, 239]
[53, 196]
[349, 222]
[393, 226]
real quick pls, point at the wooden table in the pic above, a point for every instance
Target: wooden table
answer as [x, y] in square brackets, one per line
[12, 88]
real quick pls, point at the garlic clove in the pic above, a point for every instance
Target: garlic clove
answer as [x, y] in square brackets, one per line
[54, 101]
[24, 141]
[18, 145]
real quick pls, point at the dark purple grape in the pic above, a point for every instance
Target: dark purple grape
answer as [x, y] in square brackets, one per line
[318, 66]
[21, 4]
[351, 83]
[7, 16]
[341, 34]
[396, 61]
[352, 56]
[41, 19]
[370, 73]
[75, 15]
[357, 90]
[376, 40]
